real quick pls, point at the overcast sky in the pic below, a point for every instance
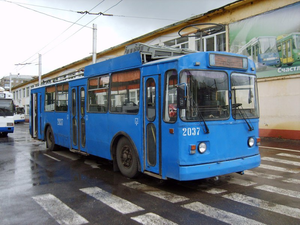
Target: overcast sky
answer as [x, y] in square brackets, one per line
[56, 30]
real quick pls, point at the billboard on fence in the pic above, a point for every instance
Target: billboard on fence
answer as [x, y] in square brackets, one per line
[271, 40]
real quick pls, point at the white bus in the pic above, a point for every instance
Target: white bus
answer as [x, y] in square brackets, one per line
[7, 109]
[19, 115]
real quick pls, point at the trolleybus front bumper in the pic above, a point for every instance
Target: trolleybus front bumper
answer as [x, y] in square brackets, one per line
[196, 172]
[7, 129]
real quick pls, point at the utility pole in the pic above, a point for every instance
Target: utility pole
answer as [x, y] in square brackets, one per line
[10, 82]
[94, 43]
[40, 69]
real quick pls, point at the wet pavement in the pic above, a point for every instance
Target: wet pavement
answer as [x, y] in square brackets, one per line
[42, 187]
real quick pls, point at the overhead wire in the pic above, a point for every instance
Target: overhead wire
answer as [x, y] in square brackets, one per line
[57, 38]
[22, 5]
[74, 23]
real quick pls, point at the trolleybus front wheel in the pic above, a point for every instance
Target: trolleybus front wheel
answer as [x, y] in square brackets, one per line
[126, 158]
[50, 142]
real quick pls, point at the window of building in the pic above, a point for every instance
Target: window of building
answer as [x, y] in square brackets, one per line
[27, 110]
[214, 42]
[181, 42]
[50, 98]
[27, 91]
[125, 89]
[98, 94]
[62, 97]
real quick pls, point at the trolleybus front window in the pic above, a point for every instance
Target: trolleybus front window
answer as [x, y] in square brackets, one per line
[207, 95]
[296, 42]
[244, 96]
[6, 107]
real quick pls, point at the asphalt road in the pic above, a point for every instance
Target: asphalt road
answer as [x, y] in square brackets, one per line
[42, 187]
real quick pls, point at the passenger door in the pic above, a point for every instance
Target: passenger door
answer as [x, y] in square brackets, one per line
[77, 116]
[152, 118]
[36, 115]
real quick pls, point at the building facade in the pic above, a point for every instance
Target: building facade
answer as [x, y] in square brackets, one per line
[259, 29]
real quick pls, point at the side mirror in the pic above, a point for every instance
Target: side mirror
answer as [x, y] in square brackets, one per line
[181, 96]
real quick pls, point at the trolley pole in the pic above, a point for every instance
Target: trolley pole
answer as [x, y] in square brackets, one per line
[94, 43]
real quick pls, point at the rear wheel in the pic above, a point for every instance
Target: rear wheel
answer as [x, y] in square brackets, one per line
[126, 158]
[50, 142]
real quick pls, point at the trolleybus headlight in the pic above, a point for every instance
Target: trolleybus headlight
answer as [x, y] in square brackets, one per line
[202, 147]
[9, 124]
[251, 142]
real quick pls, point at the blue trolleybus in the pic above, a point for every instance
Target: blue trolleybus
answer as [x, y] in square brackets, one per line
[165, 112]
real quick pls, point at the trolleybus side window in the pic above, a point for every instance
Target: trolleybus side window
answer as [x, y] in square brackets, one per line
[170, 107]
[50, 98]
[62, 97]
[98, 94]
[207, 95]
[150, 105]
[125, 90]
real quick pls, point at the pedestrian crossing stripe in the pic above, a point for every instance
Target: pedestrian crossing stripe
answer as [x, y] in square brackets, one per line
[277, 168]
[289, 155]
[241, 182]
[290, 193]
[219, 214]
[121, 205]
[262, 175]
[63, 214]
[262, 204]
[151, 218]
[292, 181]
[289, 162]
[170, 197]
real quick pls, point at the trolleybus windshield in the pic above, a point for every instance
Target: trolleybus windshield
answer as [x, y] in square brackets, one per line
[244, 96]
[268, 45]
[207, 95]
[6, 107]
[297, 41]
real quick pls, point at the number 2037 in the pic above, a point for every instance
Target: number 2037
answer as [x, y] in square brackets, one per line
[190, 131]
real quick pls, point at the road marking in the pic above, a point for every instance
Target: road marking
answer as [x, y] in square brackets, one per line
[121, 205]
[49, 156]
[215, 191]
[262, 204]
[262, 175]
[289, 155]
[244, 183]
[91, 163]
[281, 191]
[63, 214]
[289, 162]
[277, 168]
[292, 181]
[167, 196]
[68, 155]
[219, 214]
[151, 218]
[282, 149]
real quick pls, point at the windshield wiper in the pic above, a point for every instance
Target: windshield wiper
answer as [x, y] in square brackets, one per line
[237, 106]
[199, 114]
[205, 125]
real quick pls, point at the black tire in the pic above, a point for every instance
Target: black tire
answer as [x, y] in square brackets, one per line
[50, 141]
[126, 158]
[3, 134]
